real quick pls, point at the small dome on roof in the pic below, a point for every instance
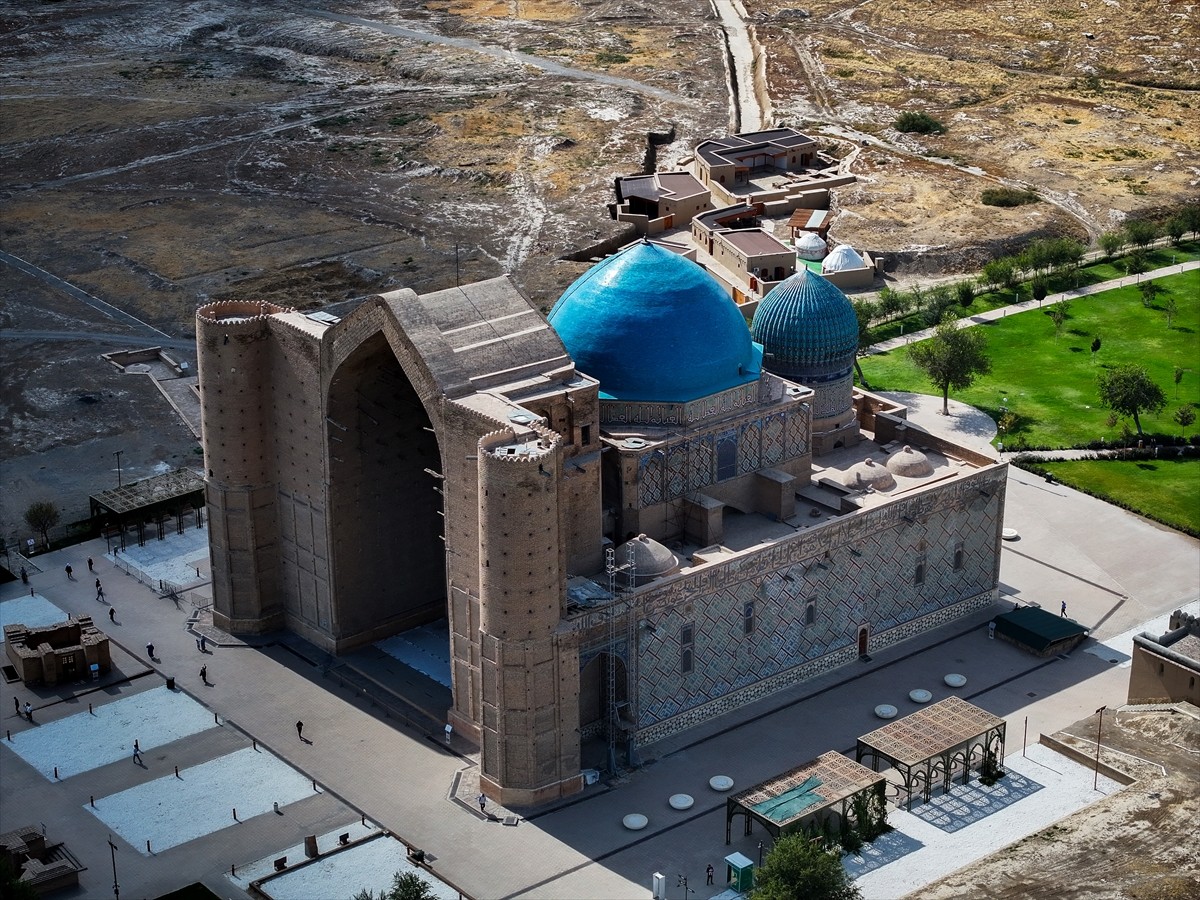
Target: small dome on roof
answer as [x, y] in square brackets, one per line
[841, 259]
[650, 558]
[868, 474]
[651, 325]
[810, 245]
[910, 463]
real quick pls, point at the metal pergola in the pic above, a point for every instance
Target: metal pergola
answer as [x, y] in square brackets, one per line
[808, 793]
[154, 499]
[931, 745]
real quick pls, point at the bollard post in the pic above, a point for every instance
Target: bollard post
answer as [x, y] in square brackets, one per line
[254, 743]
[8, 734]
[177, 771]
[90, 713]
[147, 846]
[232, 869]
[314, 782]
[215, 719]
[235, 814]
[364, 821]
[92, 799]
[56, 773]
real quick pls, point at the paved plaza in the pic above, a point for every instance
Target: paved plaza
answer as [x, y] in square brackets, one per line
[234, 738]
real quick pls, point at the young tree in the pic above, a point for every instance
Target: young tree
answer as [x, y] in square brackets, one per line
[1178, 379]
[865, 311]
[1095, 348]
[1128, 390]
[1111, 243]
[1141, 233]
[1191, 218]
[1184, 416]
[405, 886]
[965, 292]
[1059, 313]
[1149, 290]
[798, 867]
[1175, 227]
[1040, 287]
[1000, 272]
[952, 358]
[41, 516]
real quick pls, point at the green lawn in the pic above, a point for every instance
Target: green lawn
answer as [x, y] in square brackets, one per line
[1049, 382]
[1165, 489]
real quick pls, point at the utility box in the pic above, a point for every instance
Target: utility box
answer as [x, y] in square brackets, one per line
[658, 886]
[739, 872]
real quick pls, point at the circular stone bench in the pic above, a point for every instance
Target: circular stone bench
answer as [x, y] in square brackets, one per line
[681, 801]
[886, 711]
[635, 821]
[920, 696]
[720, 783]
[955, 680]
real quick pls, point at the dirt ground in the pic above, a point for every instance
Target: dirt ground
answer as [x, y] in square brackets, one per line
[159, 154]
[1138, 844]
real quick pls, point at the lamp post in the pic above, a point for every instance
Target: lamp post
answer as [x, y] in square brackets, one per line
[683, 884]
[1099, 726]
[116, 887]
[117, 454]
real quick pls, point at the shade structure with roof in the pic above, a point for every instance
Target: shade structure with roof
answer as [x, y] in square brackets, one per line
[820, 789]
[154, 499]
[1039, 631]
[809, 334]
[653, 326]
[934, 744]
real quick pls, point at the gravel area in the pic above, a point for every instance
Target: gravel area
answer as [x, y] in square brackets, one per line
[930, 852]
[366, 865]
[88, 740]
[32, 611]
[170, 811]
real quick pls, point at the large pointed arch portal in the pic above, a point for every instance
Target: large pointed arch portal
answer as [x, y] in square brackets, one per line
[385, 528]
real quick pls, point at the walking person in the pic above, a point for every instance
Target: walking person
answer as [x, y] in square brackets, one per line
[90, 569]
[112, 614]
[137, 752]
[482, 804]
[70, 577]
[17, 705]
[24, 576]
[29, 710]
[204, 674]
[203, 644]
[708, 874]
[300, 730]
[1063, 611]
[150, 650]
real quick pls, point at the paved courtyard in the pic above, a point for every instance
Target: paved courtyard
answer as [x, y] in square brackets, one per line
[235, 744]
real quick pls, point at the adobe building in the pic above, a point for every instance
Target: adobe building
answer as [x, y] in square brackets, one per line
[636, 513]
[1166, 668]
[62, 652]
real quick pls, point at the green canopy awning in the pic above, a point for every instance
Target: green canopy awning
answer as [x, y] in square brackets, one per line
[1037, 629]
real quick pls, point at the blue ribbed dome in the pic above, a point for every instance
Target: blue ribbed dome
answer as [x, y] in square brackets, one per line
[651, 325]
[807, 328]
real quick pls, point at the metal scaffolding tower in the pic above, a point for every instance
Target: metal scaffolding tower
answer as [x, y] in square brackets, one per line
[616, 608]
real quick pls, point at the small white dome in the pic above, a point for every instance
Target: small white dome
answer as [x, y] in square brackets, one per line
[842, 259]
[810, 245]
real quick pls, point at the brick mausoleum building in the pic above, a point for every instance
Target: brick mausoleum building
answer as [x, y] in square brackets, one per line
[456, 455]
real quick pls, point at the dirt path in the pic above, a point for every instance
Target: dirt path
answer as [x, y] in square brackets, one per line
[746, 110]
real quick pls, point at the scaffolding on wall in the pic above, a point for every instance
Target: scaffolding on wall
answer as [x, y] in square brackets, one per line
[614, 705]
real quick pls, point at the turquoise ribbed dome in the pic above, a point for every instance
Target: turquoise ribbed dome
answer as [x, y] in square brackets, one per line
[807, 327]
[651, 325]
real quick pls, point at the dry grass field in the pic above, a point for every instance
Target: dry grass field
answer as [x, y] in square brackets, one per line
[1093, 104]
